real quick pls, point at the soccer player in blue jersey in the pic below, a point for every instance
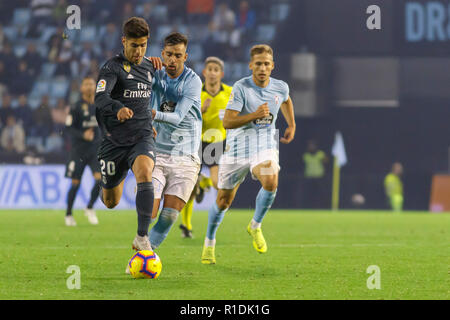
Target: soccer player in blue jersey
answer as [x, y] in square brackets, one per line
[177, 118]
[252, 145]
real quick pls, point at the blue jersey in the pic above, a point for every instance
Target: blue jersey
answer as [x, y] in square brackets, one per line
[178, 119]
[260, 134]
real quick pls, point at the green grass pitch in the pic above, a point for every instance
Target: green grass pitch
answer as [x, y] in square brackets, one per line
[312, 255]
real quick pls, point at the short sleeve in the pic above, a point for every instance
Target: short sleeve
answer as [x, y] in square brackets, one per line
[236, 101]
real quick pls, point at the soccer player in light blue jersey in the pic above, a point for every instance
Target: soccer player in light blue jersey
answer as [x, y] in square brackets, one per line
[252, 145]
[177, 119]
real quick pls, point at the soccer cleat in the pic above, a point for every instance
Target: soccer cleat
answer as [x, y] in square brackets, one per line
[141, 243]
[127, 270]
[204, 184]
[70, 221]
[92, 217]
[259, 243]
[208, 255]
[185, 232]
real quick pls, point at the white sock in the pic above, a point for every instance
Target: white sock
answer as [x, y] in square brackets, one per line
[210, 243]
[255, 225]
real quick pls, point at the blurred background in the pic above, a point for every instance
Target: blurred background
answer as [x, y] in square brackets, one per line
[387, 91]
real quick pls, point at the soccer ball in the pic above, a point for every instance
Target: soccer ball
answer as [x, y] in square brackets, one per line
[145, 264]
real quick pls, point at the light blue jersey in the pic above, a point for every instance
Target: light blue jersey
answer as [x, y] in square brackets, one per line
[178, 119]
[258, 135]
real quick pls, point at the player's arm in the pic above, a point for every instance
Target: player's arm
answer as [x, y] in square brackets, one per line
[287, 108]
[232, 118]
[191, 94]
[103, 101]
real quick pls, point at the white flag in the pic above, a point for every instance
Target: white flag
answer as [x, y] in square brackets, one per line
[338, 150]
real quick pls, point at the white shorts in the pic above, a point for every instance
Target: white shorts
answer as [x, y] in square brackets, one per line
[232, 171]
[175, 175]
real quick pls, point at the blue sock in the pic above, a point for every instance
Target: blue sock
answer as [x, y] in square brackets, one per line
[159, 232]
[215, 217]
[264, 201]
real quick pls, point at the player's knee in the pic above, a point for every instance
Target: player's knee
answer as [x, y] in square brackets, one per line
[270, 185]
[110, 202]
[224, 203]
[143, 175]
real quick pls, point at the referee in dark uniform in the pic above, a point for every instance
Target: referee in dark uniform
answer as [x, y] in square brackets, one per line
[82, 127]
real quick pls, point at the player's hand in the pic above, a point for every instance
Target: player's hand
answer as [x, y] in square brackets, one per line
[88, 134]
[124, 114]
[157, 63]
[155, 133]
[206, 105]
[262, 111]
[288, 135]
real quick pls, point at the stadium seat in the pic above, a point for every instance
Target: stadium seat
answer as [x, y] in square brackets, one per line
[46, 34]
[279, 12]
[10, 32]
[161, 11]
[162, 32]
[195, 52]
[40, 88]
[21, 16]
[88, 34]
[48, 69]
[20, 49]
[153, 51]
[59, 87]
[265, 32]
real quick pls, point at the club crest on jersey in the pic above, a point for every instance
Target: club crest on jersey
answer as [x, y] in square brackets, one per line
[101, 85]
[85, 109]
[126, 66]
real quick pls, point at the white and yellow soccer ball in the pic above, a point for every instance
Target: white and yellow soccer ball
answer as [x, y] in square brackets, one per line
[145, 264]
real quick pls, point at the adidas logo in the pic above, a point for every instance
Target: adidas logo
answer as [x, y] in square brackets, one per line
[130, 76]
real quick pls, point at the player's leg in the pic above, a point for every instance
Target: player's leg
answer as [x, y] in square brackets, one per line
[74, 171]
[142, 168]
[182, 173]
[95, 191]
[186, 215]
[267, 174]
[216, 214]
[71, 195]
[214, 174]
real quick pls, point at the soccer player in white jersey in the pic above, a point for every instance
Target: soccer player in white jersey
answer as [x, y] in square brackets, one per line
[252, 145]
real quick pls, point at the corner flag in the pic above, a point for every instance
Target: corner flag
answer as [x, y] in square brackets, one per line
[340, 159]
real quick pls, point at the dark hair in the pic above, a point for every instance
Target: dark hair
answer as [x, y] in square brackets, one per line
[175, 38]
[136, 27]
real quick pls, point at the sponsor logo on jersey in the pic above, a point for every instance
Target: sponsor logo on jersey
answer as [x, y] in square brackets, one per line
[142, 92]
[101, 85]
[267, 121]
[168, 106]
[130, 76]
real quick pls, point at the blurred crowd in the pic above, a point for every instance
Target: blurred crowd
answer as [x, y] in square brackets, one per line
[42, 62]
